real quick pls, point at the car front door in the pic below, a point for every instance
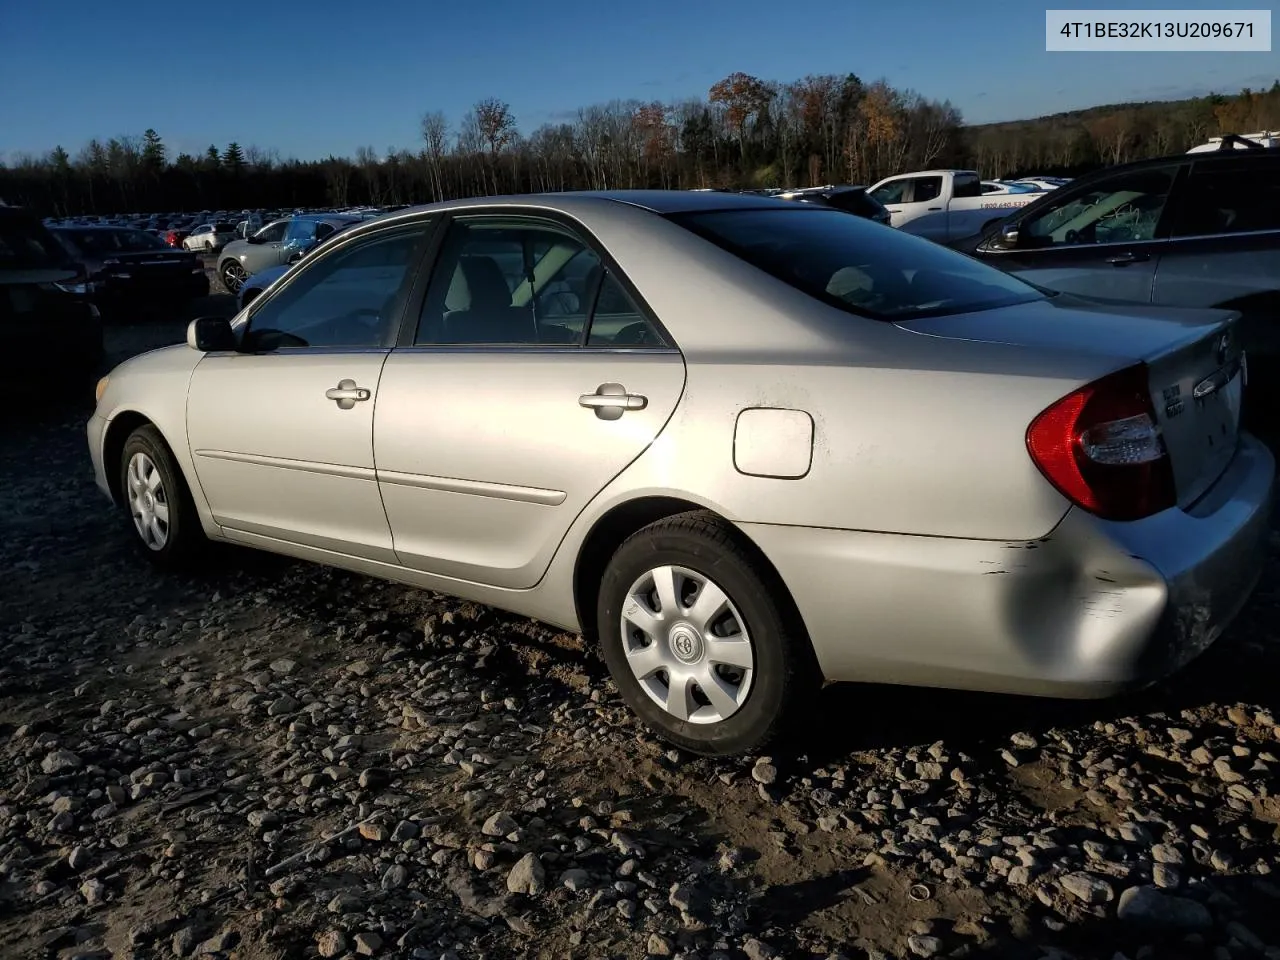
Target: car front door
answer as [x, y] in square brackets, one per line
[1103, 239]
[530, 380]
[1224, 251]
[281, 432]
[265, 250]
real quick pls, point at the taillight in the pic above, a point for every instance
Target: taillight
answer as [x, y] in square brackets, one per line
[1101, 447]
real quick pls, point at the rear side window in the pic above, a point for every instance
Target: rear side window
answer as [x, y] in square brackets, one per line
[857, 265]
[1235, 198]
[966, 185]
[926, 189]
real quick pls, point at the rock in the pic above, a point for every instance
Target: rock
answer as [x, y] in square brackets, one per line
[282, 706]
[575, 880]
[658, 946]
[924, 946]
[527, 876]
[78, 858]
[374, 778]
[360, 668]
[764, 772]
[758, 950]
[367, 943]
[60, 761]
[331, 943]
[376, 832]
[1223, 769]
[184, 941]
[1087, 887]
[284, 666]
[260, 819]
[397, 876]
[94, 892]
[1150, 907]
[1165, 875]
[1166, 853]
[499, 825]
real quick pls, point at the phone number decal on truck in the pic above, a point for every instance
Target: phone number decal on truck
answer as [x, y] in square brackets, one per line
[997, 204]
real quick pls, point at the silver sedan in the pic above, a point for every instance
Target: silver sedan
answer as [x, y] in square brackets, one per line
[743, 445]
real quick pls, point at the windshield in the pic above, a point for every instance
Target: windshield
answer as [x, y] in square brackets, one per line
[858, 265]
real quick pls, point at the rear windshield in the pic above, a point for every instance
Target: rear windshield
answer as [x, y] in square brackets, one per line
[858, 265]
[25, 243]
[103, 242]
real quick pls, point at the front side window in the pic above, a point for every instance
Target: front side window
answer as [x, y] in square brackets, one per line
[892, 192]
[1121, 209]
[1235, 198]
[348, 299]
[858, 266]
[272, 232]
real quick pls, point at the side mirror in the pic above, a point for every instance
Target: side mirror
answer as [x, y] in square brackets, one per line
[1007, 236]
[211, 335]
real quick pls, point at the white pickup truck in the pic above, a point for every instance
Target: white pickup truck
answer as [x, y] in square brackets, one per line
[944, 205]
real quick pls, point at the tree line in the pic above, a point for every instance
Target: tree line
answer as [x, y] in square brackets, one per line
[746, 132]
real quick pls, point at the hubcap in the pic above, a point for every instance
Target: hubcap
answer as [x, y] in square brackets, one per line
[687, 645]
[148, 501]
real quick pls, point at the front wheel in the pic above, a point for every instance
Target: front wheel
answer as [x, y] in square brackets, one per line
[233, 275]
[696, 633]
[157, 501]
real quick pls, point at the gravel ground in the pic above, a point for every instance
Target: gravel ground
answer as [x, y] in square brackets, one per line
[280, 760]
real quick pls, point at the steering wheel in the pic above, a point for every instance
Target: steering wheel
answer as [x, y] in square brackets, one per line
[633, 334]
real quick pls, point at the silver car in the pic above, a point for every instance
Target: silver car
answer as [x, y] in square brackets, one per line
[280, 242]
[743, 445]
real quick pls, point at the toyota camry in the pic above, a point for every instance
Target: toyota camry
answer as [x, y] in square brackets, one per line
[744, 446]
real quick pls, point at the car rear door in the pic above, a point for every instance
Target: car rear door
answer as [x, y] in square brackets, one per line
[1102, 239]
[529, 378]
[1224, 251]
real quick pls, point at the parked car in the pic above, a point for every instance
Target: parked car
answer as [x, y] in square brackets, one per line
[1266, 139]
[1007, 186]
[279, 242]
[126, 267]
[1198, 230]
[210, 237]
[944, 205]
[851, 199]
[176, 234]
[48, 328]
[692, 463]
[256, 284]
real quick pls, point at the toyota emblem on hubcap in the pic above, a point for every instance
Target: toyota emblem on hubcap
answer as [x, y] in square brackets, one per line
[685, 643]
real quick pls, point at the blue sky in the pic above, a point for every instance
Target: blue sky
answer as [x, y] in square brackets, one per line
[320, 76]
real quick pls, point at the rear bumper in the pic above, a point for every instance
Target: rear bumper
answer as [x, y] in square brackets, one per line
[1091, 609]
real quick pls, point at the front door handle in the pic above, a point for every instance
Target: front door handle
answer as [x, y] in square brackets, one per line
[611, 399]
[1127, 257]
[934, 208]
[346, 393]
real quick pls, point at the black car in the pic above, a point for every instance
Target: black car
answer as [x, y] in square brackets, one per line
[129, 268]
[1192, 230]
[48, 327]
[851, 199]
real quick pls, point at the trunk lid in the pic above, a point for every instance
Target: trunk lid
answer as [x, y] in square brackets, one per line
[1194, 360]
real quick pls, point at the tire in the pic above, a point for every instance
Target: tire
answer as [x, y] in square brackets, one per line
[754, 705]
[147, 467]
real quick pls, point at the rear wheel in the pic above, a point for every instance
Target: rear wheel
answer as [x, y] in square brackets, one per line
[697, 637]
[157, 501]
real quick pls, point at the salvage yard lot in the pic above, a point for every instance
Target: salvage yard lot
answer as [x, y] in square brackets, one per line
[274, 759]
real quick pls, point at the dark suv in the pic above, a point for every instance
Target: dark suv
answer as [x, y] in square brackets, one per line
[1193, 230]
[48, 328]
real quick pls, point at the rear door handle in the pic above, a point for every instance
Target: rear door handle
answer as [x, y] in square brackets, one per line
[1128, 257]
[346, 393]
[611, 399]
